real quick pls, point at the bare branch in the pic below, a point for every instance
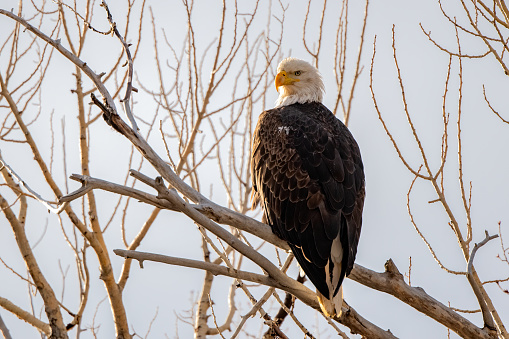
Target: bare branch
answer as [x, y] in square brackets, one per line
[487, 311]
[52, 308]
[491, 107]
[349, 317]
[211, 210]
[289, 285]
[35, 195]
[393, 283]
[25, 316]
[4, 330]
[127, 98]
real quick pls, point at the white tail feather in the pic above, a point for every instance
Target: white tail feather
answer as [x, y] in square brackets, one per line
[331, 308]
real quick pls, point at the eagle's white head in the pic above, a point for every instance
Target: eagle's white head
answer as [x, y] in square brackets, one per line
[297, 81]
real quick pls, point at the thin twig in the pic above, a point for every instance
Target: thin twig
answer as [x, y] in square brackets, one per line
[34, 194]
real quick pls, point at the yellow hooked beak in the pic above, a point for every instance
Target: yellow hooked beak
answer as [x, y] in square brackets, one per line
[283, 79]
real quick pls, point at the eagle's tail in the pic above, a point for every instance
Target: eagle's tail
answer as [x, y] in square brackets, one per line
[331, 307]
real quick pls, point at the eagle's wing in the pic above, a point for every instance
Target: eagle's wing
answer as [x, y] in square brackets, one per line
[308, 175]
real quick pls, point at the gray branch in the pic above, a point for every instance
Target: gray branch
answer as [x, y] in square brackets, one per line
[485, 309]
[35, 195]
[4, 330]
[392, 282]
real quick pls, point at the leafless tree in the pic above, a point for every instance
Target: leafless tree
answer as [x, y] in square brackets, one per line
[487, 23]
[188, 116]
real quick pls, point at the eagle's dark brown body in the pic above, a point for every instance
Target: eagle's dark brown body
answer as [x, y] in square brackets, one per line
[308, 175]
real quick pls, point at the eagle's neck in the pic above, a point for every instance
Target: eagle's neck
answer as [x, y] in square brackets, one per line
[288, 100]
[290, 96]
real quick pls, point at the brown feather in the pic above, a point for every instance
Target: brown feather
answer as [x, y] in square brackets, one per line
[308, 174]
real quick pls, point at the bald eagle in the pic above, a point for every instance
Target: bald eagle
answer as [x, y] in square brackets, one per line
[308, 176]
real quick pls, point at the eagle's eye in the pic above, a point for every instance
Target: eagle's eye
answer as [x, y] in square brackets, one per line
[297, 73]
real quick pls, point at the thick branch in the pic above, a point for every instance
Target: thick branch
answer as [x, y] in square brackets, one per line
[211, 210]
[89, 184]
[392, 282]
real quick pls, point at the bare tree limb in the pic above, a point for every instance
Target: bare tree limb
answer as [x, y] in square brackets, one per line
[487, 308]
[292, 286]
[4, 330]
[22, 183]
[213, 211]
[393, 283]
[349, 317]
[52, 307]
[25, 316]
[127, 98]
